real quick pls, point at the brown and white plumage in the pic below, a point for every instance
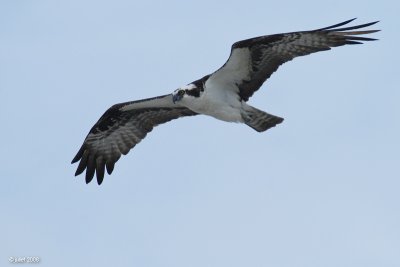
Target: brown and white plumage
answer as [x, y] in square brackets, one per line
[222, 94]
[267, 53]
[120, 128]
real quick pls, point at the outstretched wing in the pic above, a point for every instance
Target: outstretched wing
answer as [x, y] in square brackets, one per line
[252, 61]
[119, 129]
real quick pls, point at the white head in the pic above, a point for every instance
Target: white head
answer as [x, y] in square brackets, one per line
[184, 91]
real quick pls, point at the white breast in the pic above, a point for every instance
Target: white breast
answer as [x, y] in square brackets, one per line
[220, 103]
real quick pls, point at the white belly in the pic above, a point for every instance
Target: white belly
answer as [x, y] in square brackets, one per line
[220, 104]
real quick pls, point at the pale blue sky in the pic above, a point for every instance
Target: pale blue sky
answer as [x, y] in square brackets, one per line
[321, 189]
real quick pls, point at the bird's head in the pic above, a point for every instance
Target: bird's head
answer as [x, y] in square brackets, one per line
[178, 94]
[186, 91]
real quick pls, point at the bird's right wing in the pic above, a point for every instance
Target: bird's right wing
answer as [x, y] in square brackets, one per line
[252, 61]
[120, 128]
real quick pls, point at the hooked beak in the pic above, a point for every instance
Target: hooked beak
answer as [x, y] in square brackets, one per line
[176, 97]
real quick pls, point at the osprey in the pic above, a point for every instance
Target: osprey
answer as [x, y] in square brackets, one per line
[222, 94]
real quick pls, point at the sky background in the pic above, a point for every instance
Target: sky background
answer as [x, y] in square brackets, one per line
[321, 189]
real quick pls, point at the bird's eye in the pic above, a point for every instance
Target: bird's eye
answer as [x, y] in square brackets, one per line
[181, 92]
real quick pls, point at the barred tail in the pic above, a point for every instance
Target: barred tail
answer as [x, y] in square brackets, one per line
[258, 119]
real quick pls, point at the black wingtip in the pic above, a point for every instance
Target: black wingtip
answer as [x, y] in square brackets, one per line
[79, 171]
[89, 177]
[336, 25]
[76, 158]
[90, 169]
[78, 155]
[100, 166]
[355, 27]
[110, 167]
[368, 24]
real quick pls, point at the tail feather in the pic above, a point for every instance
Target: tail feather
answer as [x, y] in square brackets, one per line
[259, 120]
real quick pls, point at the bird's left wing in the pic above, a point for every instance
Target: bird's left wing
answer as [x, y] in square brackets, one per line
[252, 61]
[119, 129]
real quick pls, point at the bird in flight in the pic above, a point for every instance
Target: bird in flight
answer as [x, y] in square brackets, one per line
[222, 94]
